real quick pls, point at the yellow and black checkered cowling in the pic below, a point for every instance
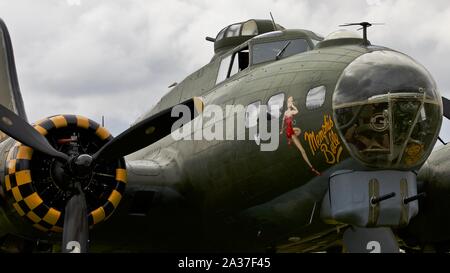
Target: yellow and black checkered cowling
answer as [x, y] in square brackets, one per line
[22, 189]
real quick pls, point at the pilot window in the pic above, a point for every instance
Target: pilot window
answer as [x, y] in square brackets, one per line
[223, 69]
[269, 51]
[240, 61]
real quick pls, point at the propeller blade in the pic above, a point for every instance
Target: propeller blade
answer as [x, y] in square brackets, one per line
[446, 106]
[350, 24]
[367, 24]
[14, 126]
[76, 228]
[143, 133]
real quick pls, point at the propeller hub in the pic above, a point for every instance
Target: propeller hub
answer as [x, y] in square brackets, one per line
[82, 165]
[69, 176]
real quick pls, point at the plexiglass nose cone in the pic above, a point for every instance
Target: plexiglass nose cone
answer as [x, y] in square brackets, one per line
[387, 110]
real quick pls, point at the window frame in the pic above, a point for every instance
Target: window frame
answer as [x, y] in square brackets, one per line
[309, 108]
[248, 22]
[221, 34]
[234, 54]
[224, 57]
[253, 43]
[238, 34]
[230, 64]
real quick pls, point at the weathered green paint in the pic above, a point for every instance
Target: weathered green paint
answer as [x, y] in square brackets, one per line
[232, 192]
[222, 178]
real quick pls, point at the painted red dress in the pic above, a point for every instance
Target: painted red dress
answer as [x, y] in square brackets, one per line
[289, 129]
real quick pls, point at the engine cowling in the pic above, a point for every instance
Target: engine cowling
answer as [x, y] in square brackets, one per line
[431, 227]
[37, 185]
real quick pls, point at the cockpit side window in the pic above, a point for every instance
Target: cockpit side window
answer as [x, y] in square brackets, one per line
[240, 61]
[265, 52]
[223, 69]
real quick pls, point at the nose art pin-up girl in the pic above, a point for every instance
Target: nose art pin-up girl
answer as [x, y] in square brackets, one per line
[292, 133]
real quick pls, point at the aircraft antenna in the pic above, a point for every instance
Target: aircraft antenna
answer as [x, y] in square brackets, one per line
[103, 121]
[273, 22]
[364, 26]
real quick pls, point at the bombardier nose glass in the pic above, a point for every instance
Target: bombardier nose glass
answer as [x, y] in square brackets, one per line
[387, 110]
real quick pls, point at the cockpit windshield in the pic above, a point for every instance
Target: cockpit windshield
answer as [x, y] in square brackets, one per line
[265, 52]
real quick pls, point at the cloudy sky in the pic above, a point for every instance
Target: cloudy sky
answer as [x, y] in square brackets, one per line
[116, 58]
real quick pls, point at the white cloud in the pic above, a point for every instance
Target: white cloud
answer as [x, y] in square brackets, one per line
[116, 58]
[74, 2]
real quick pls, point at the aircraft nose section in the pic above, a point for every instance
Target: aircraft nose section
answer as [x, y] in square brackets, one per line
[387, 110]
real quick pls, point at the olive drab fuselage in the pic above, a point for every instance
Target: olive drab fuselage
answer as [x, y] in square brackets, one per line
[226, 191]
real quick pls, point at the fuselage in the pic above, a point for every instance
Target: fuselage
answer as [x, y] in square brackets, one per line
[222, 180]
[227, 177]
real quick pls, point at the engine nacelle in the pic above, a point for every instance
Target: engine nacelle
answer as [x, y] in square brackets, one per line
[36, 185]
[432, 225]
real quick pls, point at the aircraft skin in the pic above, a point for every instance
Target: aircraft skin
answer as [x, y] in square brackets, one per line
[199, 195]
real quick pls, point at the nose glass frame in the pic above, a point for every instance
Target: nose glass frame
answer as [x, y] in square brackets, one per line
[394, 130]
